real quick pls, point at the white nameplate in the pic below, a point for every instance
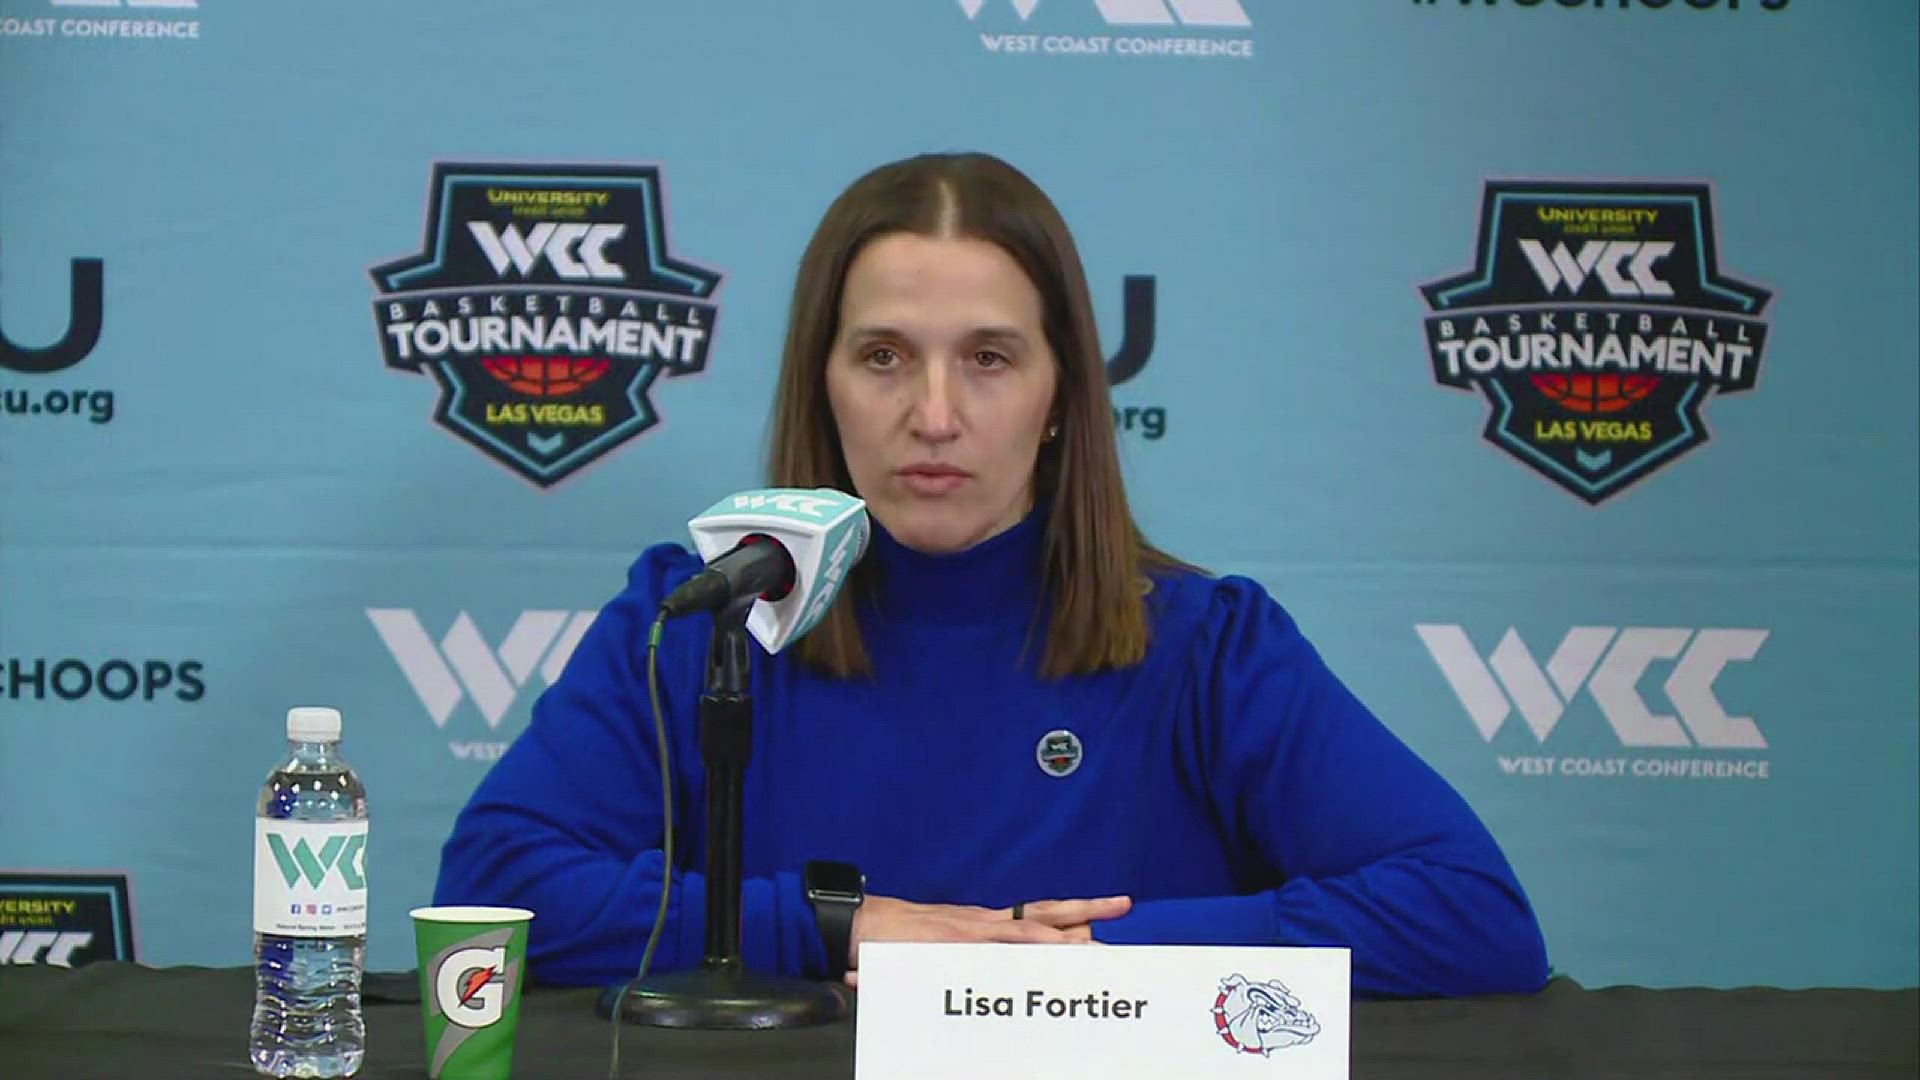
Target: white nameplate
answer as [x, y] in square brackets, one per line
[1117, 1012]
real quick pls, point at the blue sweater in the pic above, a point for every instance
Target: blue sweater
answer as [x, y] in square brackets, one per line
[1229, 784]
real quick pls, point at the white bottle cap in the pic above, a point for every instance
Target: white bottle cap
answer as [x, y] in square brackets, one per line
[310, 724]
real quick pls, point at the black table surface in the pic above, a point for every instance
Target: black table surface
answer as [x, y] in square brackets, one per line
[124, 1020]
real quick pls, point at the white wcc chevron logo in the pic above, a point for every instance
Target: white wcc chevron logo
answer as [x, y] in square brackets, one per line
[810, 505]
[463, 664]
[1215, 13]
[1609, 663]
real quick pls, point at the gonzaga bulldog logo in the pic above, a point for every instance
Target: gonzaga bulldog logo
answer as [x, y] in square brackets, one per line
[1597, 323]
[1261, 1017]
[545, 305]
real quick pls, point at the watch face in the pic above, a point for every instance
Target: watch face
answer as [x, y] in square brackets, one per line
[835, 880]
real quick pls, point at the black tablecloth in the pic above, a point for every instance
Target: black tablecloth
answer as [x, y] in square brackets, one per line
[122, 1020]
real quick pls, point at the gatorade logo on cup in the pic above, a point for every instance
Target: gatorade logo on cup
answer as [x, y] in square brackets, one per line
[471, 985]
[470, 989]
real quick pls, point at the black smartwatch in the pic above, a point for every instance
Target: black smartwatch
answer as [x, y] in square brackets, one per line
[836, 890]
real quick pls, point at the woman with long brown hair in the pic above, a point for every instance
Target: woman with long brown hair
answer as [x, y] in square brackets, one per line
[1020, 721]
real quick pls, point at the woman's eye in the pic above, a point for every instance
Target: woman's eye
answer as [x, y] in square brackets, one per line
[882, 357]
[989, 358]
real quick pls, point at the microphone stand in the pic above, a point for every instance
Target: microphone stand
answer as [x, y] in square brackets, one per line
[721, 993]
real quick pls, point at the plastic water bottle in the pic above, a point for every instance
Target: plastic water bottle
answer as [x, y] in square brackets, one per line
[309, 907]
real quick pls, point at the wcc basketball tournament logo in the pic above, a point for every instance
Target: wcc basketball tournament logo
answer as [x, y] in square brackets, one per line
[65, 919]
[1597, 323]
[545, 303]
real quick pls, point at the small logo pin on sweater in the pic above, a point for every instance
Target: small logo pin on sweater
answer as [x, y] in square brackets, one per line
[1058, 752]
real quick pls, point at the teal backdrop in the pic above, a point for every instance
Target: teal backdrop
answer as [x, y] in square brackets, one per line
[1644, 592]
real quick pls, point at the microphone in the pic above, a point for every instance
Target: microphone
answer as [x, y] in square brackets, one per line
[758, 564]
[791, 547]
[775, 559]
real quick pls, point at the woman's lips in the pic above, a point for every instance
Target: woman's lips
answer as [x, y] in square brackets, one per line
[932, 479]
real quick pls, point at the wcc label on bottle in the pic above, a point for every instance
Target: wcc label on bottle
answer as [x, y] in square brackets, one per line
[310, 878]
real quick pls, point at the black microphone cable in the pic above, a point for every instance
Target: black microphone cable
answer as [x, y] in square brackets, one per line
[666, 843]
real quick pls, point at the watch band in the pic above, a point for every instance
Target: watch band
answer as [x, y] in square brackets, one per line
[835, 890]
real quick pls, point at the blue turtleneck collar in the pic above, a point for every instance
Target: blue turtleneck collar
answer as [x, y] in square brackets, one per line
[994, 581]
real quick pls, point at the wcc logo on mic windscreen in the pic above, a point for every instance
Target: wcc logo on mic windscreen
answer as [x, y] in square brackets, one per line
[1597, 323]
[545, 303]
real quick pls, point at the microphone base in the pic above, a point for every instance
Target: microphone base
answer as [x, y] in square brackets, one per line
[727, 997]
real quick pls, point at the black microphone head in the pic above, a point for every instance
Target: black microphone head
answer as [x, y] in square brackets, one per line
[784, 574]
[758, 565]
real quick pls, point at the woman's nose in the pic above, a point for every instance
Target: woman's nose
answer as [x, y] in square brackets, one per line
[935, 415]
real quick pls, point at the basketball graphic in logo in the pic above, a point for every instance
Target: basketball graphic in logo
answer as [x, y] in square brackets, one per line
[1595, 393]
[538, 377]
